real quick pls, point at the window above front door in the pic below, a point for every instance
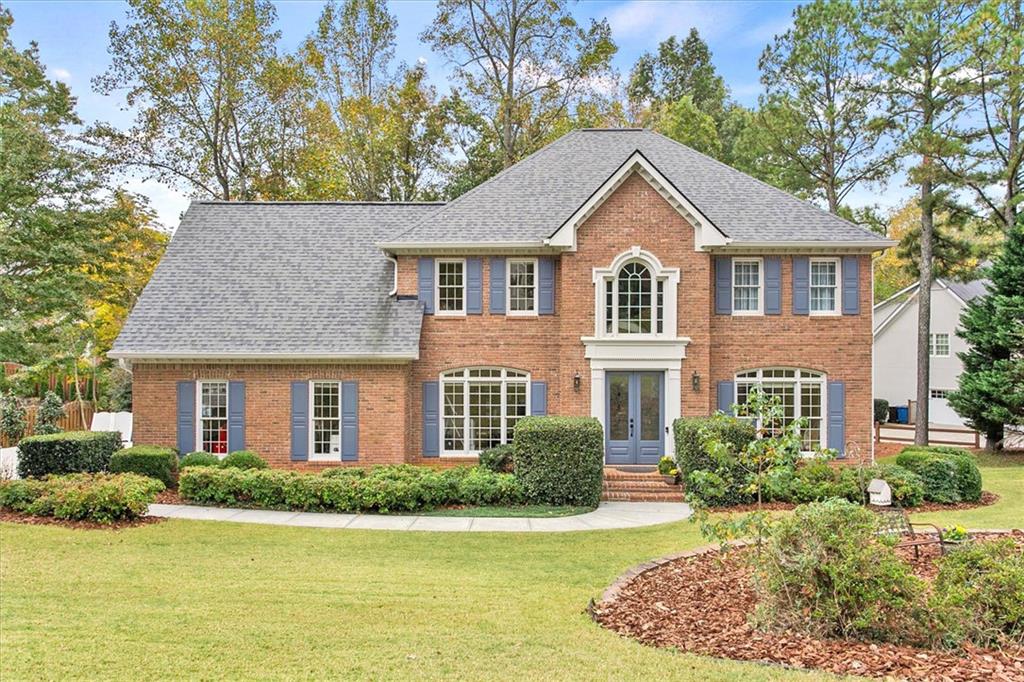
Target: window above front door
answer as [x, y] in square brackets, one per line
[635, 297]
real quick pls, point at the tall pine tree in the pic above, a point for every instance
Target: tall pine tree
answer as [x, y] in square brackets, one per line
[991, 391]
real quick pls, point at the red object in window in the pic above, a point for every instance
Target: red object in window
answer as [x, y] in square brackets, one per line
[220, 447]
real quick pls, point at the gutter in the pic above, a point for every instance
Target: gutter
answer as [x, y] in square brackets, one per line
[242, 357]
[876, 245]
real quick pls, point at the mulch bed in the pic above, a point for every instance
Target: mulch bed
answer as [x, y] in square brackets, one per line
[15, 517]
[987, 498]
[169, 497]
[701, 603]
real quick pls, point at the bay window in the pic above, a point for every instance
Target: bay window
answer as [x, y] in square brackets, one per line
[481, 406]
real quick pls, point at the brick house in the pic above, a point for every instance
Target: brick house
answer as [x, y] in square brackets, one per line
[613, 273]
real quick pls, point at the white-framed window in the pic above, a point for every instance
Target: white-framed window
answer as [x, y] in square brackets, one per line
[325, 419]
[939, 393]
[450, 293]
[747, 286]
[801, 393]
[634, 301]
[481, 406]
[521, 278]
[212, 408]
[938, 345]
[824, 286]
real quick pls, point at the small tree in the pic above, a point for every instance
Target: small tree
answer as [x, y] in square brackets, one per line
[12, 417]
[51, 409]
[991, 387]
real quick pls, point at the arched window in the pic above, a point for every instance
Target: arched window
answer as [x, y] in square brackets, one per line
[801, 393]
[481, 406]
[634, 301]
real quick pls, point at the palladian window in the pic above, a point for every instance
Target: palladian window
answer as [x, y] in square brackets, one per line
[801, 393]
[481, 407]
[634, 301]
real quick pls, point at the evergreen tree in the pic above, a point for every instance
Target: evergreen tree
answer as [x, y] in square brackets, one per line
[51, 409]
[991, 391]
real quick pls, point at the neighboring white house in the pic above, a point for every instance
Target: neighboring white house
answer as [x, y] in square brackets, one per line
[895, 367]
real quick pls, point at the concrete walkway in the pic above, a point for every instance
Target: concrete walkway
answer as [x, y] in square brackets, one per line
[607, 516]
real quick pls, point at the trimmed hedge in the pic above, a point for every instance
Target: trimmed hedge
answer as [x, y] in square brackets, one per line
[199, 459]
[950, 474]
[243, 459]
[67, 453]
[713, 483]
[499, 459]
[147, 460]
[101, 498]
[398, 488]
[816, 480]
[560, 460]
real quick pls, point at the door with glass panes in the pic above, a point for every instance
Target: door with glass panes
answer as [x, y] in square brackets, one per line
[634, 420]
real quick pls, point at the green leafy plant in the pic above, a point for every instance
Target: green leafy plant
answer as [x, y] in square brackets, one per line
[949, 474]
[68, 452]
[667, 466]
[691, 434]
[881, 410]
[953, 534]
[12, 417]
[199, 459]
[560, 460]
[148, 460]
[51, 409]
[100, 498]
[243, 459]
[499, 459]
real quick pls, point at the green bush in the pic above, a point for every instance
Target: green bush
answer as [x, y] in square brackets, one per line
[101, 498]
[148, 460]
[815, 480]
[67, 453]
[907, 487]
[881, 410]
[243, 459]
[968, 475]
[51, 409]
[499, 459]
[560, 460]
[708, 481]
[199, 459]
[949, 474]
[978, 595]
[383, 489]
[826, 572]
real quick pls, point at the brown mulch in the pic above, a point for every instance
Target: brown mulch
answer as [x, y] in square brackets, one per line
[169, 497]
[702, 603]
[987, 498]
[15, 517]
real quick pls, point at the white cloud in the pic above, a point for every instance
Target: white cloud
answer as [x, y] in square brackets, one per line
[62, 75]
[761, 35]
[167, 202]
[655, 21]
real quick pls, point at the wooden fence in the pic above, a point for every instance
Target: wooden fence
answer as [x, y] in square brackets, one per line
[71, 421]
[904, 433]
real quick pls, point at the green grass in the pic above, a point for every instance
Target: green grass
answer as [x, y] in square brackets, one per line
[193, 599]
[528, 510]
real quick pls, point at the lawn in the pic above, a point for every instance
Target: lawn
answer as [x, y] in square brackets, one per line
[223, 600]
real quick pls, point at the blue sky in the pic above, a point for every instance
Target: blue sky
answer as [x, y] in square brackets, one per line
[72, 38]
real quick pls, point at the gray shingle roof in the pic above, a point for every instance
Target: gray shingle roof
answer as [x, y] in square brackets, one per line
[254, 279]
[531, 200]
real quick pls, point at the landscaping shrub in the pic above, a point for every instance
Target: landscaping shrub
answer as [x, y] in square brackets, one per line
[199, 459]
[907, 487]
[824, 571]
[708, 481]
[148, 460]
[560, 460]
[397, 488]
[12, 417]
[815, 480]
[881, 410]
[949, 474]
[101, 498]
[978, 595]
[243, 459]
[498, 459]
[968, 475]
[66, 453]
[51, 409]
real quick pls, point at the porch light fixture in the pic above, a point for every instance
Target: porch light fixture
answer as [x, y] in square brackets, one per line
[576, 382]
[695, 382]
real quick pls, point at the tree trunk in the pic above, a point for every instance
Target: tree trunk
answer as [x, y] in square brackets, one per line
[924, 313]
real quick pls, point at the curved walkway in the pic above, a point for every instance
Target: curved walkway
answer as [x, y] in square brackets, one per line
[608, 515]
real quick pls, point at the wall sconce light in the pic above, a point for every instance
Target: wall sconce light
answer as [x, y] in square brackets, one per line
[695, 382]
[576, 382]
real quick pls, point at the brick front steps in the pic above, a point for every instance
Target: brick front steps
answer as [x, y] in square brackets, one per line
[638, 484]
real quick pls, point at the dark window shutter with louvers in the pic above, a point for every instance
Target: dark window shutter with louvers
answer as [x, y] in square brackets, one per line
[801, 286]
[851, 285]
[300, 421]
[186, 418]
[837, 416]
[538, 398]
[726, 396]
[425, 284]
[772, 285]
[431, 420]
[349, 421]
[497, 302]
[723, 285]
[474, 286]
[236, 415]
[546, 286]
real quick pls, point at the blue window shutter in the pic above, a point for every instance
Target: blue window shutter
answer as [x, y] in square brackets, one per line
[236, 415]
[186, 416]
[349, 421]
[851, 285]
[837, 416]
[772, 285]
[425, 284]
[726, 396]
[546, 284]
[474, 286]
[801, 286]
[300, 421]
[431, 420]
[498, 286]
[538, 398]
[723, 285]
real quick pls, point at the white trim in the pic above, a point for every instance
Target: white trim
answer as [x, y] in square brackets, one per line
[532, 247]
[313, 456]
[604, 277]
[249, 357]
[760, 286]
[199, 416]
[706, 234]
[837, 288]
[813, 246]
[933, 345]
[508, 288]
[465, 380]
[437, 288]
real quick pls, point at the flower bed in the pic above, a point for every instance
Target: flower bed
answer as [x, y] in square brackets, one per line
[702, 602]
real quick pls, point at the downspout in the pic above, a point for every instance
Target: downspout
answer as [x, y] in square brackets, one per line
[394, 289]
